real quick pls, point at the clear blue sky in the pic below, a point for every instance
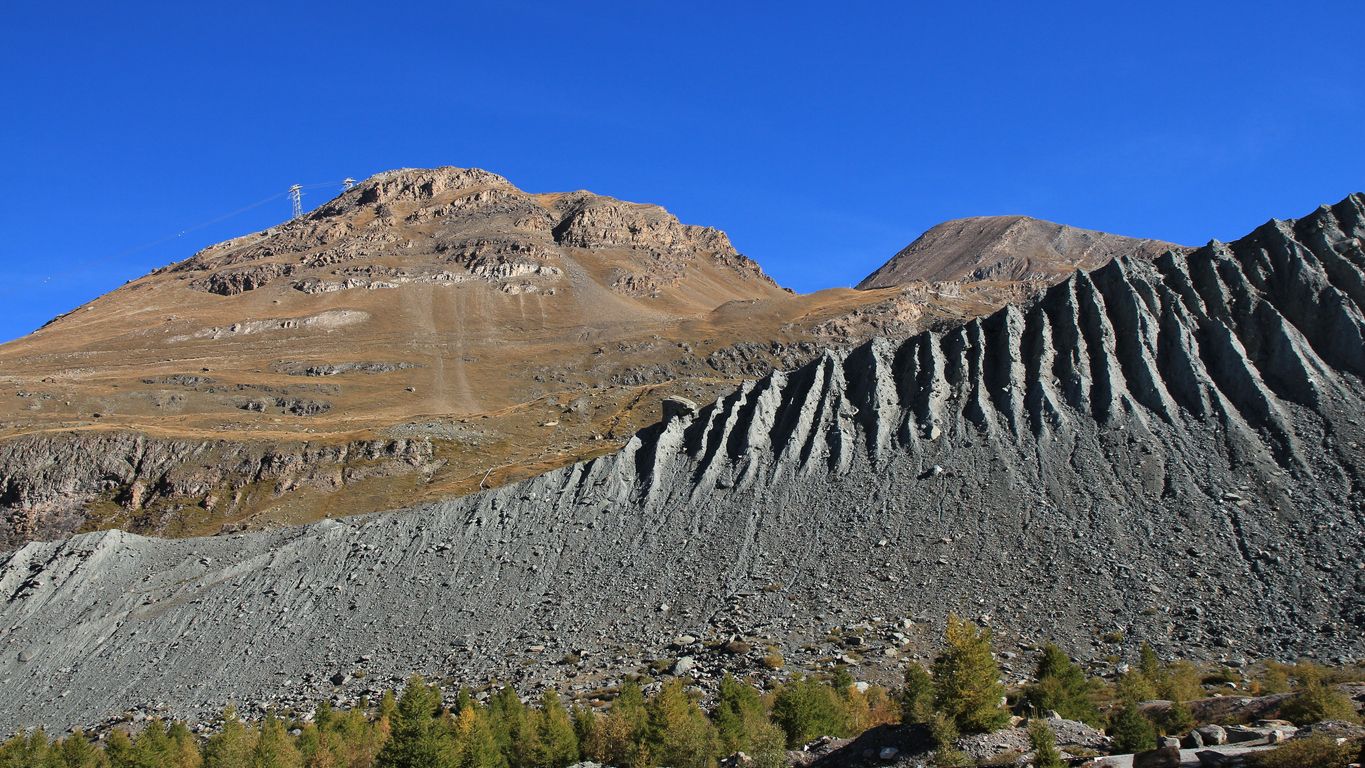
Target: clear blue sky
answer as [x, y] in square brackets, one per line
[822, 137]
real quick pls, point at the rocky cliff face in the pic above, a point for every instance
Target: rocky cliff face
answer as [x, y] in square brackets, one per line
[515, 332]
[1169, 449]
[53, 487]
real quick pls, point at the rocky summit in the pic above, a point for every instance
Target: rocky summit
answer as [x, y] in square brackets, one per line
[428, 333]
[1164, 450]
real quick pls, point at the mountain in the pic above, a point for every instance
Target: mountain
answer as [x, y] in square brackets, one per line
[429, 333]
[1166, 451]
[1006, 248]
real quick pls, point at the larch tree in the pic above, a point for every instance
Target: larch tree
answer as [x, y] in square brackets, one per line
[967, 684]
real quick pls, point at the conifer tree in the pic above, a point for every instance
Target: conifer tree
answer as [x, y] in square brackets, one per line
[587, 727]
[184, 749]
[1149, 665]
[120, 751]
[516, 728]
[416, 738]
[28, 750]
[274, 748]
[1044, 745]
[944, 733]
[311, 748]
[1132, 731]
[1062, 687]
[558, 744]
[806, 709]
[76, 751]
[232, 746]
[1315, 701]
[463, 700]
[680, 735]
[738, 714]
[917, 695]
[151, 747]
[1175, 719]
[967, 684]
[1134, 687]
[478, 744]
[623, 729]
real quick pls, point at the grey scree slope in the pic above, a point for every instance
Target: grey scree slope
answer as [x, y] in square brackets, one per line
[1171, 447]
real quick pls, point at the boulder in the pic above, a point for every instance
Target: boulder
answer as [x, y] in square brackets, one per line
[684, 665]
[1210, 758]
[1165, 757]
[678, 407]
[1212, 734]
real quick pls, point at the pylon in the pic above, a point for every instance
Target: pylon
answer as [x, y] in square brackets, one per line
[296, 198]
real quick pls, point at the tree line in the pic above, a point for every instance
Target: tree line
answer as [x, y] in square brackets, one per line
[959, 693]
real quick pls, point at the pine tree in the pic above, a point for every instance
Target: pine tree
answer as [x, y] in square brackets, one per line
[767, 745]
[1134, 687]
[152, 747]
[558, 745]
[1315, 701]
[967, 680]
[416, 739]
[1132, 731]
[1044, 745]
[917, 695]
[680, 735]
[1149, 665]
[587, 727]
[274, 748]
[120, 752]
[806, 709]
[623, 730]
[76, 751]
[232, 746]
[28, 750]
[1061, 687]
[944, 733]
[463, 700]
[738, 714]
[184, 748]
[1175, 719]
[478, 743]
[518, 736]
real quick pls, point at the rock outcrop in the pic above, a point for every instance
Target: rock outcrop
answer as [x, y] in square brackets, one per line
[1167, 448]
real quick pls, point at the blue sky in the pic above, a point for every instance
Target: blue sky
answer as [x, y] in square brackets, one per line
[822, 137]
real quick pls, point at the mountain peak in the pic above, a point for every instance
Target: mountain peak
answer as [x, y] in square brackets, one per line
[1006, 248]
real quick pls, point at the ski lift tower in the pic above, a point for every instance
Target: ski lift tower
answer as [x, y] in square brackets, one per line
[296, 199]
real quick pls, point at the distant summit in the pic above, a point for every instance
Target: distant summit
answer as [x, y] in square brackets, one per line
[1006, 248]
